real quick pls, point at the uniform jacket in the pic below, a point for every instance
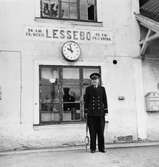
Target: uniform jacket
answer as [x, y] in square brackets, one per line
[95, 101]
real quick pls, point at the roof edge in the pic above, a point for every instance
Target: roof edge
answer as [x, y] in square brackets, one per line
[147, 22]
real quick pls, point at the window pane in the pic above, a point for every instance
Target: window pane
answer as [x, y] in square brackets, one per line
[71, 112]
[54, 8]
[48, 117]
[50, 8]
[87, 10]
[71, 103]
[49, 94]
[71, 94]
[69, 9]
[47, 106]
[45, 8]
[50, 74]
[83, 10]
[70, 77]
[88, 71]
[73, 10]
[64, 10]
[49, 85]
[72, 73]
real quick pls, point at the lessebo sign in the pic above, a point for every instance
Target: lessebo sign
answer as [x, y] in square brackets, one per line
[67, 34]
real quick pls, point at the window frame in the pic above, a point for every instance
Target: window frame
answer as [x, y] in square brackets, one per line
[81, 79]
[78, 13]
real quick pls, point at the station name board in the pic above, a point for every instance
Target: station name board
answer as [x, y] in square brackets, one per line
[48, 33]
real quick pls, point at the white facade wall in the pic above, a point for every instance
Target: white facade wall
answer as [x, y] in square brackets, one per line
[20, 58]
[150, 73]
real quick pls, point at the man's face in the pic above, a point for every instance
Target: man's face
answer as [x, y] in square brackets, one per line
[95, 82]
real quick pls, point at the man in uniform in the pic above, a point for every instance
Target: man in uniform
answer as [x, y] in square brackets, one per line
[95, 108]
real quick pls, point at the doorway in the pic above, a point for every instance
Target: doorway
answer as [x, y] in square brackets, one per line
[10, 88]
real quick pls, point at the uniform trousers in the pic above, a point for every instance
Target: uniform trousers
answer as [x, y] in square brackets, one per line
[96, 125]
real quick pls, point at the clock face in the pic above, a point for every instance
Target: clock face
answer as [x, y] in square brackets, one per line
[71, 50]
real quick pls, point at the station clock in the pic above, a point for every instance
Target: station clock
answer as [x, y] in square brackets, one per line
[71, 50]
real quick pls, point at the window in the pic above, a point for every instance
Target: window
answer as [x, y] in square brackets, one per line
[85, 10]
[61, 92]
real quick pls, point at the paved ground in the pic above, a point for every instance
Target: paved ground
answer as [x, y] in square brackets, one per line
[123, 157]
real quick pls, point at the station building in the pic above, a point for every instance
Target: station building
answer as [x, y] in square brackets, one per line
[48, 49]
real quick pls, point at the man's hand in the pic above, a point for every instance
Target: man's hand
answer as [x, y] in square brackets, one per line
[106, 118]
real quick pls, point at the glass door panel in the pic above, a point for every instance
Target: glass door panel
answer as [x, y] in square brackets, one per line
[71, 94]
[49, 94]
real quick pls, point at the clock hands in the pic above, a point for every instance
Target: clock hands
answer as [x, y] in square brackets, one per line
[70, 48]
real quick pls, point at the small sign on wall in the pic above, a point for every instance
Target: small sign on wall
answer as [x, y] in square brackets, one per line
[63, 34]
[152, 102]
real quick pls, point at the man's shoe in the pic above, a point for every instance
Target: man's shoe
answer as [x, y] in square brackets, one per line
[92, 151]
[102, 151]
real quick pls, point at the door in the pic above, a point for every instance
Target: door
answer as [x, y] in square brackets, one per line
[10, 95]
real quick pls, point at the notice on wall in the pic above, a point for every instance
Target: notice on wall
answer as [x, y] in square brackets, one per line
[152, 102]
[48, 33]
